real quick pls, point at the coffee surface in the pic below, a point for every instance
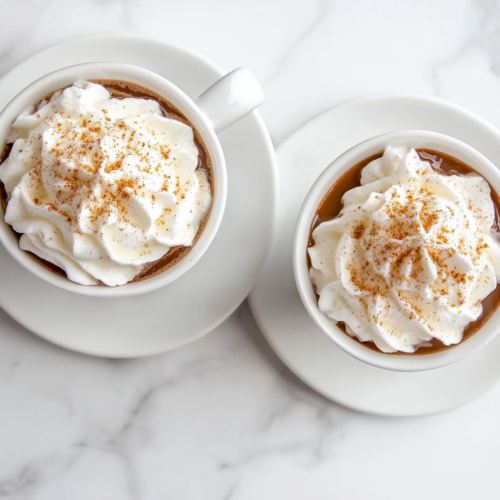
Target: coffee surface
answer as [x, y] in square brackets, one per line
[120, 90]
[331, 205]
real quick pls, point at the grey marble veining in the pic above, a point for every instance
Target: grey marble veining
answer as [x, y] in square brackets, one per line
[222, 418]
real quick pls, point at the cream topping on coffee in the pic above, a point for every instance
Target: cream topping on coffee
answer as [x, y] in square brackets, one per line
[101, 186]
[411, 255]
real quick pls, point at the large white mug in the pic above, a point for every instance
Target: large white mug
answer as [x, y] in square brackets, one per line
[375, 145]
[227, 100]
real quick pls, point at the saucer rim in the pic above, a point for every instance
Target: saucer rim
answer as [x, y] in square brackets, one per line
[265, 142]
[308, 376]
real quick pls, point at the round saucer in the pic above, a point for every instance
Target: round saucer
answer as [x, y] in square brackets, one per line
[276, 304]
[209, 292]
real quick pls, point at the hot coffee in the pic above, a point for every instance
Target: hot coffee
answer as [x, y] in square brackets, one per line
[106, 182]
[407, 257]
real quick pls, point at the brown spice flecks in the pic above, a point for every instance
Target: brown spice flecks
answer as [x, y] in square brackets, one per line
[388, 240]
[358, 231]
[372, 286]
[86, 153]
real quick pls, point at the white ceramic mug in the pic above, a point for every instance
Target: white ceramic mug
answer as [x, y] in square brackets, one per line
[415, 139]
[227, 100]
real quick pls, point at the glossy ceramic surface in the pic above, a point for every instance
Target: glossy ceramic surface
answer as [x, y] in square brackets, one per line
[202, 298]
[275, 301]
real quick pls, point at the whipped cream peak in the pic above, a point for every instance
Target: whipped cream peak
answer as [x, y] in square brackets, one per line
[102, 187]
[411, 255]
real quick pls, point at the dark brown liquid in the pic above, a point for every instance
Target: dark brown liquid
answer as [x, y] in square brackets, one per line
[120, 90]
[331, 205]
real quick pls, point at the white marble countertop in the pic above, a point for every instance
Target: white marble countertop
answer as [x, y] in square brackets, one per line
[222, 418]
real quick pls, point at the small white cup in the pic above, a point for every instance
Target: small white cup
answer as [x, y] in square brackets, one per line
[410, 138]
[227, 100]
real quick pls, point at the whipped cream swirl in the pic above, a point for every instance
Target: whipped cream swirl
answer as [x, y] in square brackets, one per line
[101, 187]
[411, 255]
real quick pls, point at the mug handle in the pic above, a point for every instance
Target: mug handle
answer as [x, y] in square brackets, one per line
[230, 98]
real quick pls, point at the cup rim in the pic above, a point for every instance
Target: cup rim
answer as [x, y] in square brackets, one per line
[361, 151]
[135, 74]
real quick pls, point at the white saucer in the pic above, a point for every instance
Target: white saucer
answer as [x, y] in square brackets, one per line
[202, 298]
[276, 304]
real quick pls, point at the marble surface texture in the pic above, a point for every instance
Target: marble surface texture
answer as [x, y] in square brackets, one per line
[222, 418]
